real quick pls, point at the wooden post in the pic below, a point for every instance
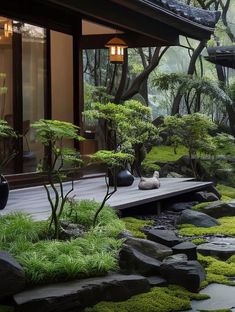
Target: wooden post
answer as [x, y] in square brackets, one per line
[78, 85]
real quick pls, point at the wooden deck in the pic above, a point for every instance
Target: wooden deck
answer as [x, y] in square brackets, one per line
[34, 200]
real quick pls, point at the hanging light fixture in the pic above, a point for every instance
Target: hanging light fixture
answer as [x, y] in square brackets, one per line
[8, 29]
[116, 50]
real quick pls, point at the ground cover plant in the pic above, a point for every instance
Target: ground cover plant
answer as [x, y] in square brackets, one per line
[44, 261]
[136, 226]
[164, 299]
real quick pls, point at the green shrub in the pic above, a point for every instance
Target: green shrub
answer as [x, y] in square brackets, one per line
[165, 299]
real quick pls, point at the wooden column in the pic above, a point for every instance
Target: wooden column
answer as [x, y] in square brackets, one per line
[78, 84]
[18, 98]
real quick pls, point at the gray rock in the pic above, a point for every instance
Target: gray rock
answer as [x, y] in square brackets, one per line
[220, 250]
[204, 196]
[220, 209]
[149, 248]
[12, 277]
[125, 234]
[188, 274]
[157, 281]
[178, 207]
[175, 258]
[77, 295]
[186, 248]
[197, 218]
[213, 189]
[165, 237]
[133, 261]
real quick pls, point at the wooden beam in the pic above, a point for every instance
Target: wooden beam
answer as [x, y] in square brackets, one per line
[125, 18]
[132, 40]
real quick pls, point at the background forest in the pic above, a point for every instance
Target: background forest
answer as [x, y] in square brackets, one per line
[146, 74]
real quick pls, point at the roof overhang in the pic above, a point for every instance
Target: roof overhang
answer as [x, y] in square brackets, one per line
[223, 56]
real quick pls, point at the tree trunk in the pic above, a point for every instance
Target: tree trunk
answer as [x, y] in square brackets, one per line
[191, 70]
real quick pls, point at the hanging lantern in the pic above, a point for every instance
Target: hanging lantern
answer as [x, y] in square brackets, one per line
[8, 29]
[116, 50]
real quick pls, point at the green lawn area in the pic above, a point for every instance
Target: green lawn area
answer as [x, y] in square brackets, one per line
[163, 153]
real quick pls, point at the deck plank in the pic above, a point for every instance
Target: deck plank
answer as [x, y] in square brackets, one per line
[33, 200]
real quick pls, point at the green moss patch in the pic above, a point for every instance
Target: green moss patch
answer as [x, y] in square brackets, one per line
[199, 241]
[165, 299]
[226, 191]
[135, 226]
[226, 228]
[218, 271]
[163, 153]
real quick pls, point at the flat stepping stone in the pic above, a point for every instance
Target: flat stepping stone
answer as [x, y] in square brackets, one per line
[220, 250]
[186, 248]
[77, 295]
[164, 237]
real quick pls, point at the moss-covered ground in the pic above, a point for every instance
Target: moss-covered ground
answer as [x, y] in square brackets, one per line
[135, 226]
[163, 153]
[226, 228]
[165, 299]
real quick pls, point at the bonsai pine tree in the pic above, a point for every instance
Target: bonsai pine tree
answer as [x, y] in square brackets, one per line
[52, 133]
[128, 127]
[191, 131]
[113, 161]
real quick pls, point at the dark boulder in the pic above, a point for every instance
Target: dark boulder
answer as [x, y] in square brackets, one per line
[157, 281]
[164, 237]
[221, 250]
[12, 277]
[186, 248]
[220, 209]
[197, 218]
[133, 261]
[188, 274]
[77, 295]
[204, 196]
[149, 248]
[178, 207]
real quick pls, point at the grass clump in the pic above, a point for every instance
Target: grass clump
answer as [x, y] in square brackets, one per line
[83, 212]
[164, 299]
[45, 261]
[218, 271]
[135, 226]
[226, 228]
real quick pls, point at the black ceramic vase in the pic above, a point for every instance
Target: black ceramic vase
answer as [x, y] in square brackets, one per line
[124, 178]
[4, 192]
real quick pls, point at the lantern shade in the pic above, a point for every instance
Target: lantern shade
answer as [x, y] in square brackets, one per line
[116, 50]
